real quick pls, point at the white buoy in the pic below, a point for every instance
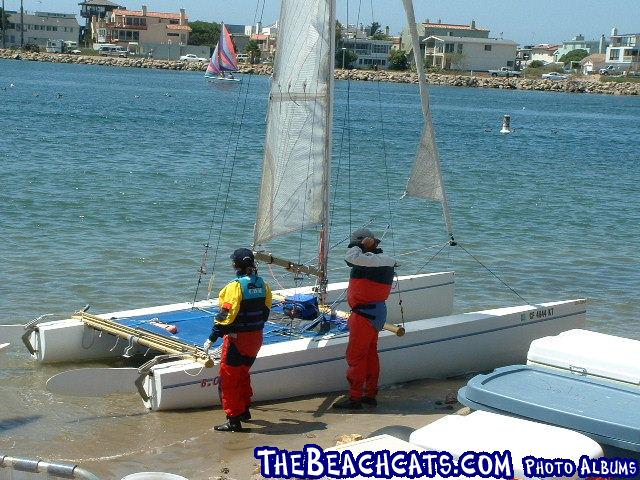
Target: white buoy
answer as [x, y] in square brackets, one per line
[506, 124]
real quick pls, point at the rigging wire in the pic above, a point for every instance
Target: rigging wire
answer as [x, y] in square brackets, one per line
[222, 183]
[383, 142]
[492, 273]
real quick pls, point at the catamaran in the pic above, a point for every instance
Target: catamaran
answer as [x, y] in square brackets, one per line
[224, 60]
[302, 357]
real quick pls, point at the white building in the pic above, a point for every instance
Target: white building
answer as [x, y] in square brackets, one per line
[592, 63]
[468, 53]
[544, 52]
[41, 27]
[371, 53]
[624, 50]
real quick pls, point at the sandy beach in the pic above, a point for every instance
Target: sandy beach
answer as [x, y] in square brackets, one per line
[115, 436]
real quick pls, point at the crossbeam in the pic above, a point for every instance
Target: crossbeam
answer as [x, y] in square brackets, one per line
[145, 338]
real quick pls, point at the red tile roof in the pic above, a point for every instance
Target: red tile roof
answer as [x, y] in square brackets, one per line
[138, 13]
[259, 36]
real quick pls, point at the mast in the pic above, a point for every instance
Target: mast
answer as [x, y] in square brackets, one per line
[428, 135]
[323, 248]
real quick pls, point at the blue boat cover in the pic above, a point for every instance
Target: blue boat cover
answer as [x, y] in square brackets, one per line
[608, 412]
[194, 325]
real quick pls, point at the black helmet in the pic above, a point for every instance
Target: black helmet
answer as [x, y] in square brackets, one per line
[243, 258]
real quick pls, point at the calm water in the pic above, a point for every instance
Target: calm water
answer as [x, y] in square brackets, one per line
[107, 192]
[108, 189]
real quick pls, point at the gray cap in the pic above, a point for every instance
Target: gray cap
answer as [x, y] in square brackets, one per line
[357, 236]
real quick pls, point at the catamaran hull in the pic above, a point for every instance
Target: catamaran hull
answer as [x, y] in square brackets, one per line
[432, 348]
[221, 79]
[423, 296]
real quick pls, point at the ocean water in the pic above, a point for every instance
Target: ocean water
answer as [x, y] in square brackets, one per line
[109, 179]
[109, 182]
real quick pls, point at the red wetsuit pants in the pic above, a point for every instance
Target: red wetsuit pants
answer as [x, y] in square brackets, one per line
[239, 351]
[362, 358]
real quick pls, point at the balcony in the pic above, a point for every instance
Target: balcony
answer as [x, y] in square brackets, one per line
[124, 26]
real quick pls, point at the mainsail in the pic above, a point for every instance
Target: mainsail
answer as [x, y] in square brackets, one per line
[295, 178]
[426, 176]
[227, 52]
[224, 58]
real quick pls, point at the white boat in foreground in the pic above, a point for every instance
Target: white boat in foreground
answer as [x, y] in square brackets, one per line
[433, 348]
[307, 357]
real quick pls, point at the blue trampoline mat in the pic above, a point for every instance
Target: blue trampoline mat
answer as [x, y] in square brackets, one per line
[194, 325]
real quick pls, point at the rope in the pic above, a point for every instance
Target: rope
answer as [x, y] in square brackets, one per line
[434, 256]
[228, 183]
[496, 276]
[383, 142]
[207, 245]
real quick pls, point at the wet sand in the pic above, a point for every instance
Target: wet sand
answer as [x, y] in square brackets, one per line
[116, 436]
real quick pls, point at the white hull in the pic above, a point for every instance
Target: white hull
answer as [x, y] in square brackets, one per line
[423, 296]
[222, 79]
[431, 348]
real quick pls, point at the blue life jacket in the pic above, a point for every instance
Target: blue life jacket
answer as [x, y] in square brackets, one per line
[253, 311]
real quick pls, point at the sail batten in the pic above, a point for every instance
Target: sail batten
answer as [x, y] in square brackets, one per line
[297, 150]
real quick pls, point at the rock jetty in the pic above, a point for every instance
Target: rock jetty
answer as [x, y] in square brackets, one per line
[570, 86]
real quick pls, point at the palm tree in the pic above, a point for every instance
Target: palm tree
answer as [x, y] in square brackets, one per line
[253, 50]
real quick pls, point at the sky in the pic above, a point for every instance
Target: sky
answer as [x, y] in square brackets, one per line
[524, 21]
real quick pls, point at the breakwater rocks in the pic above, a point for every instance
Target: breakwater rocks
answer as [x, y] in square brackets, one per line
[570, 86]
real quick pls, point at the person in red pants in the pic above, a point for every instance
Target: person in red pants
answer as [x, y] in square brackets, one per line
[244, 308]
[370, 282]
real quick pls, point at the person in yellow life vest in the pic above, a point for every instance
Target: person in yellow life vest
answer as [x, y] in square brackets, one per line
[244, 308]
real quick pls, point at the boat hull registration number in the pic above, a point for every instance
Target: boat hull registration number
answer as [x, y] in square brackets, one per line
[537, 314]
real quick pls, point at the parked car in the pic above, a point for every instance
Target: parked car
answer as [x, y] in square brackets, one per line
[243, 57]
[113, 51]
[76, 52]
[610, 70]
[505, 72]
[554, 76]
[190, 57]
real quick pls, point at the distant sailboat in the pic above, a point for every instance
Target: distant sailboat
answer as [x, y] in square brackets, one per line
[223, 60]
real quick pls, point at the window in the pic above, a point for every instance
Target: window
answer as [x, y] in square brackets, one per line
[174, 21]
[614, 54]
[183, 38]
[509, 63]
[487, 48]
[449, 47]
[172, 35]
[375, 48]
[459, 48]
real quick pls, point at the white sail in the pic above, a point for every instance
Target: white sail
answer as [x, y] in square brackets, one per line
[294, 190]
[426, 176]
